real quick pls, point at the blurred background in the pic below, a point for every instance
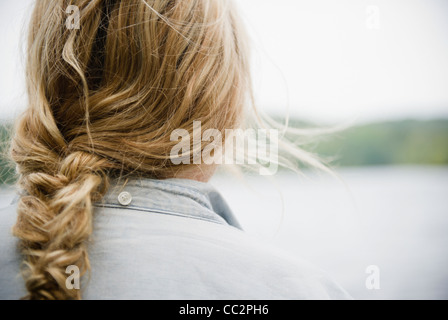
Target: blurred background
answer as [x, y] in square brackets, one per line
[379, 65]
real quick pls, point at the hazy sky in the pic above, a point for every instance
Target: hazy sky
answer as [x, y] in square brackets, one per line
[329, 60]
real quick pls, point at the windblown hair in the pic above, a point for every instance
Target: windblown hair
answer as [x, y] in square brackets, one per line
[103, 101]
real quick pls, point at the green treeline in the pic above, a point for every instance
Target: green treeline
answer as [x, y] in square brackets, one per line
[407, 142]
[6, 167]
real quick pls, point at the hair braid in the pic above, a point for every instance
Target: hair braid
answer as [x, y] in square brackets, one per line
[55, 222]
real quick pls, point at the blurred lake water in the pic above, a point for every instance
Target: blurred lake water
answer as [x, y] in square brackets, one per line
[395, 218]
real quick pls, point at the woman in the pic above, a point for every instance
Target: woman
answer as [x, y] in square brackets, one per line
[101, 190]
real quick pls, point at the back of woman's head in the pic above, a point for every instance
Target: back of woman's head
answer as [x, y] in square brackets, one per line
[103, 101]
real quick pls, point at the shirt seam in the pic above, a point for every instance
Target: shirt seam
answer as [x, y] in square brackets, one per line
[143, 209]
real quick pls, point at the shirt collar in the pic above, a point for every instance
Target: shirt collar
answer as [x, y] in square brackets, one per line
[180, 197]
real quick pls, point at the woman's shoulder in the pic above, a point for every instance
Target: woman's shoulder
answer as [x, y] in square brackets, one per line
[274, 272]
[172, 257]
[139, 255]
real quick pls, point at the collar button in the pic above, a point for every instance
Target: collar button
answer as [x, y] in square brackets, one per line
[125, 198]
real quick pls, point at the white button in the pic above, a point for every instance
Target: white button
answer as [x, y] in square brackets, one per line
[125, 198]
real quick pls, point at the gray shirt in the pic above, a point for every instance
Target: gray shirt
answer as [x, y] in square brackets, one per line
[175, 239]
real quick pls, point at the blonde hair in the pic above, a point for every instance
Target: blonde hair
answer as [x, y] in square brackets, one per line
[103, 100]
